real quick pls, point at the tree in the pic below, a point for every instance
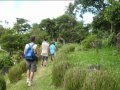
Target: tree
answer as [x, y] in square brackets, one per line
[70, 10]
[21, 26]
[48, 25]
[108, 20]
[69, 28]
[93, 6]
[112, 15]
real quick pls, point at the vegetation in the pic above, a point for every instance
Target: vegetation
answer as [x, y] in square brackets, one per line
[74, 79]
[58, 72]
[88, 60]
[15, 74]
[2, 83]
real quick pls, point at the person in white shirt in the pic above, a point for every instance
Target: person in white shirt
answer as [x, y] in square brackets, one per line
[44, 52]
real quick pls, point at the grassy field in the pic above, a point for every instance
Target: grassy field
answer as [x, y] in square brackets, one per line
[107, 58]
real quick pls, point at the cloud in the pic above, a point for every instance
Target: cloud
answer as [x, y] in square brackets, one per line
[34, 11]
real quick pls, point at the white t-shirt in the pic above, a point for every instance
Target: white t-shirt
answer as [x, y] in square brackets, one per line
[45, 48]
[34, 46]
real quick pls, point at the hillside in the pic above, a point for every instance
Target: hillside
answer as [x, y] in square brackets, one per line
[105, 60]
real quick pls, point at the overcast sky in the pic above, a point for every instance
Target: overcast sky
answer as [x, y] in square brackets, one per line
[34, 11]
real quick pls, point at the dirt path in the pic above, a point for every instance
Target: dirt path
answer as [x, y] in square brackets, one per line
[39, 73]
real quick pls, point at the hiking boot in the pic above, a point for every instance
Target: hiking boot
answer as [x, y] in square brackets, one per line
[30, 83]
[27, 81]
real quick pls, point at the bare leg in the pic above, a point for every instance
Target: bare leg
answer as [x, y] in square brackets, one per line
[44, 63]
[51, 58]
[28, 74]
[31, 76]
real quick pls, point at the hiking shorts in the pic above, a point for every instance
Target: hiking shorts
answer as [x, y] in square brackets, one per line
[44, 58]
[31, 65]
[52, 55]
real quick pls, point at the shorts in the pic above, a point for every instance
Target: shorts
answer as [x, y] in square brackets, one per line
[44, 58]
[31, 65]
[52, 54]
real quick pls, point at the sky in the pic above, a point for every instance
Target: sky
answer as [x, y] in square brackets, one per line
[34, 11]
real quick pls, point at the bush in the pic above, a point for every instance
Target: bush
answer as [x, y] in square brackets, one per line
[68, 48]
[110, 41]
[58, 72]
[16, 57]
[15, 74]
[2, 83]
[91, 41]
[74, 79]
[23, 66]
[99, 80]
[5, 60]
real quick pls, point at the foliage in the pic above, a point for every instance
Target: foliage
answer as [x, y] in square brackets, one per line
[94, 6]
[48, 25]
[100, 23]
[111, 14]
[39, 35]
[74, 79]
[13, 42]
[15, 73]
[23, 66]
[108, 19]
[58, 72]
[5, 60]
[91, 41]
[2, 83]
[109, 41]
[100, 80]
[70, 10]
[67, 48]
[16, 57]
[21, 25]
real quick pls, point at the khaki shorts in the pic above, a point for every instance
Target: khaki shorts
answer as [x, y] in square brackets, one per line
[31, 65]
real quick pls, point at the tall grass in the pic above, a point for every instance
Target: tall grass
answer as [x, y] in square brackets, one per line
[58, 72]
[74, 79]
[100, 80]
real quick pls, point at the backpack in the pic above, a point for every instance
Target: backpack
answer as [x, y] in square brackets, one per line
[29, 54]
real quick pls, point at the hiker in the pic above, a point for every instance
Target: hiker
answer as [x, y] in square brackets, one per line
[30, 52]
[44, 52]
[52, 50]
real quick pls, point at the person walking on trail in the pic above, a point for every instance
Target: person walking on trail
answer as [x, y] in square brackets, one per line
[52, 50]
[44, 52]
[31, 52]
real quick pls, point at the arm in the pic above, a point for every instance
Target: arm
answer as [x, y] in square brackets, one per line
[37, 51]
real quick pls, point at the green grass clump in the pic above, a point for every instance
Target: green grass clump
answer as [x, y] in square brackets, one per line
[2, 83]
[67, 48]
[15, 74]
[23, 66]
[74, 79]
[58, 72]
[99, 80]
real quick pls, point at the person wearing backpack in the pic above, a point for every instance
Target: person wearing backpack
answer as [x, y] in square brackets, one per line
[30, 53]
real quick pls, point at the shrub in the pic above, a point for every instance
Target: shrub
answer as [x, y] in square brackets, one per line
[2, 83]
[99, 80]
[5, 60]
[67, 48]
[15, 74]
[58, 72]
[23, 66]
[16, 57]
[74, 79]
[110, 41]
[91, 41]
